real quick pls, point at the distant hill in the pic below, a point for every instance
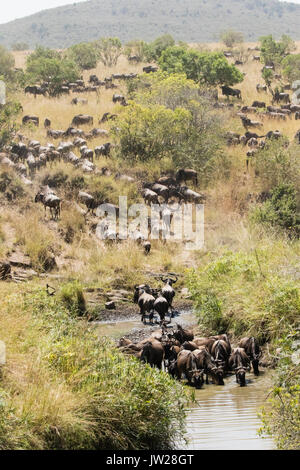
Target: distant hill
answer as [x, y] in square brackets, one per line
[187, 20]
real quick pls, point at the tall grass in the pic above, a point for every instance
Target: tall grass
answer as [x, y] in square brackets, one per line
[58, 386]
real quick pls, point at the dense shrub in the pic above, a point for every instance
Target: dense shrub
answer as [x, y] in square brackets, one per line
[280, 210]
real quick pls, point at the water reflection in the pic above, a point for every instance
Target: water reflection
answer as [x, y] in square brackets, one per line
[226, 417]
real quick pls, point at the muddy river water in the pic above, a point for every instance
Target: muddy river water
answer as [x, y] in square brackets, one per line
[223, 417]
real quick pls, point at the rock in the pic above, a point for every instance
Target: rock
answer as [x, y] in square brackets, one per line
[110, 305]
[20, 260]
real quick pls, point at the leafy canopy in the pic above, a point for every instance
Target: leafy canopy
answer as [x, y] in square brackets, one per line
[48, 65]
[273, 52]
[108, 50]
[84, 55]
[291, 67]
[210, 68]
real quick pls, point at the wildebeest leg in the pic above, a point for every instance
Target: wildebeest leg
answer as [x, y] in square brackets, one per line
[151, 315]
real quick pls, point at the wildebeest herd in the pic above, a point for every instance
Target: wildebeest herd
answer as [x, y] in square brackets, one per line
[180, 351]
[198, 359]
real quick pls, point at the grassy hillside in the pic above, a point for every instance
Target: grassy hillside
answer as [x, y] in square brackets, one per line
[191, 21]
[56, 387]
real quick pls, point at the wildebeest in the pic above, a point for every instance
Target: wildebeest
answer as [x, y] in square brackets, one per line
[239, 362]
[161, 306]
[79, 101]
[186, 174]
[277, 97]
[31, 119]
[260, 88]
[221, 351]
[249, 123]
[106, 117]
[259, 104]
[168, 291]
[35, 90]
[153, 354]
[49, 199]
[118, 98]
[145, 301]
[103, 150]
[82, 119]
[207, 364]
[47, 123]
[150, 197]
[252, 349]
[227, 91]
[183, 334]
[88, 200]
[150, 68]
[187, 365]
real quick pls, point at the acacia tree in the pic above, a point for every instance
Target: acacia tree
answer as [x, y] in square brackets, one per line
[210, 68]
[274, 52]
[136, 48]
[48, 65]
[230, 38]
[108, 50]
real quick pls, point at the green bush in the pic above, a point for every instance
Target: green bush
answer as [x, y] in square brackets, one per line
[281, 415]
[84, 55]
[82, 393]
[45, 63]
[280, 210]
[154, 50]
[272, 51]
[209, 68]
[230, 38]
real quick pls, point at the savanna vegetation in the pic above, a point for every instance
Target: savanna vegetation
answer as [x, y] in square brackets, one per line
[56, 387]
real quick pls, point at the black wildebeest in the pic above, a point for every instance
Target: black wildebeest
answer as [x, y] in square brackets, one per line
[186, 174]
[227, 91]
[252, 349]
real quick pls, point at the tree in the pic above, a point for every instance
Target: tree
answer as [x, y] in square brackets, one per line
[209, 68]
[273, 52]
[7, 63]
[8, 113]
[136, 48]
[230, 38]
[108, 50]
[291, 67]
[47, 65]
[186, 136]
[155, 49]
[84, 55]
